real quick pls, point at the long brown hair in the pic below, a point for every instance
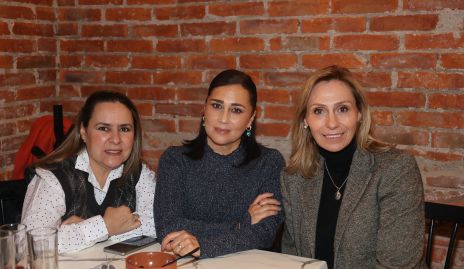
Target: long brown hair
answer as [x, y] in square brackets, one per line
[304, 158]
[73, 144]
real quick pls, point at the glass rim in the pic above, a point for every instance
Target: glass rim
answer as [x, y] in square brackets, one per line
[14, 227]
[42, 231]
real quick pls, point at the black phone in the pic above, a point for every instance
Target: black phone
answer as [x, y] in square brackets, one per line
[130, 245]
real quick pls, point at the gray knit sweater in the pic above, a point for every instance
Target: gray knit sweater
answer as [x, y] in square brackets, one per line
[211, 196]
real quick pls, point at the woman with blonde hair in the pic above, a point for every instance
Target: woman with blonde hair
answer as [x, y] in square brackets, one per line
[348, 198]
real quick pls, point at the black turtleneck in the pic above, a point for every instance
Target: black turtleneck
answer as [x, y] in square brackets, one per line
[338, 164]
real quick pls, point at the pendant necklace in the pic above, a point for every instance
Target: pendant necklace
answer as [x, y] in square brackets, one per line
[338, 194]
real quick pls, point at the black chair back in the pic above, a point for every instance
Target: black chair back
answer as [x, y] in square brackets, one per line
[12, 194]
[442, 212]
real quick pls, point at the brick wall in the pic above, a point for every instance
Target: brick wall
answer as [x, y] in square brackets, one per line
[409, 54]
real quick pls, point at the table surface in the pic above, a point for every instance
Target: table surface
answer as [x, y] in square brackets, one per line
[251, 259]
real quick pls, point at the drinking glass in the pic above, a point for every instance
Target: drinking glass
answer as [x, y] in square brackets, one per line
[20, 243]
[7, 250]
[43, 248]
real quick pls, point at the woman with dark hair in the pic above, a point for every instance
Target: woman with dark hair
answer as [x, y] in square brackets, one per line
[95, 185]
[349, 198]
[220, 191]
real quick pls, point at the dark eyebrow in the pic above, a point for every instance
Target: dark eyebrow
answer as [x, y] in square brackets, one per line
[222, 102]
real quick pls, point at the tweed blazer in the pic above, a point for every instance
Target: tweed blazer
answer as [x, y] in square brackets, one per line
[381, 219]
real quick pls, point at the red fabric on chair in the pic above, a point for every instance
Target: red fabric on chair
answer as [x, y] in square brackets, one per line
[41, 135]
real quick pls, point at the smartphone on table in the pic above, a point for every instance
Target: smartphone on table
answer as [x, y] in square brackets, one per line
[130, 245]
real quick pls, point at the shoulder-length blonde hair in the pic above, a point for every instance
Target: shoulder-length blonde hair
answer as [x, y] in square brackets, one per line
[304, 158]
[73, 143]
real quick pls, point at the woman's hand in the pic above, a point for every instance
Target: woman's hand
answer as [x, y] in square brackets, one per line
[119, 220]
[72, 220]
[181, 243]
[263, 206]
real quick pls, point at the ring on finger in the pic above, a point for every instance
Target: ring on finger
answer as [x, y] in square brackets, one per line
[180, 246]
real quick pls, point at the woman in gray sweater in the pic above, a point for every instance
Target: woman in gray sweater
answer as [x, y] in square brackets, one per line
[220, 191]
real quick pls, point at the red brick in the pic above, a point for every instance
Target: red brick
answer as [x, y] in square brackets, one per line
[130, 45]
[189, 126]
[364, 6]
[16, 45]
[128, 14]
[292, 79]
[178, 78]
[151, 2]
[159, 125]
[11, 143]
[431, 119]
[66, 3]
[128, 77]
[70, 106]
[446, 101]
[75, 76]
[68, 91]
[6, 61]
[36, 2]
[207, 28]
[7, 94]
[349, 24]
[382, 117]
[279, 112]
[302, 43]
[46, 76]
[237, 44]
[374, 79]
[420, 22]
[268, 61]
[276, 43]
[155, 30]
[298, 8]
[100, 2]
[151, 93]
[274, 96]
[144, 109]
[436, 156]
[192, 110]
[154, 62]
[430, 80]
[192, 94]
[447, 140]
[236, 9]
[46, 45]
[16, 12]
[404, 60]
[64, 29]
[210, 62]
[92, 30]
[433, 4]
[317, 25]
[78, 14]
[110, 61]
[81, 45]
[7, 129]
[13, 79]
[180, 12]
[452, 60]
[35, 93]
[316, 61]
[71, 60]
[324, 43]
[18, 111]
[88, 90]
[268, 26]
[181, 45]
[396, 99]
[433, 41]
[35, 61]
[402, 136]
[4, 28]
[366, 42]
[273, 129]
[45, 13]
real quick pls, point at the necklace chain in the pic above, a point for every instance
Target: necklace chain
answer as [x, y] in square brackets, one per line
[338, 194]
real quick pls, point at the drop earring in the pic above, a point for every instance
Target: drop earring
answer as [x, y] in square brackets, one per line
[248, 131]
[203, 121]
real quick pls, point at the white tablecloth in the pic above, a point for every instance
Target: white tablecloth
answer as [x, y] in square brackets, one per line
[251, 259]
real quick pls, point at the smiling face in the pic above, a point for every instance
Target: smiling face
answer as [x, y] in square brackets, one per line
[228, 113]
[109, 137]
[332, 115]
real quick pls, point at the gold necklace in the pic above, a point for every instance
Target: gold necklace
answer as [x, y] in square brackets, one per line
[338, 194]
